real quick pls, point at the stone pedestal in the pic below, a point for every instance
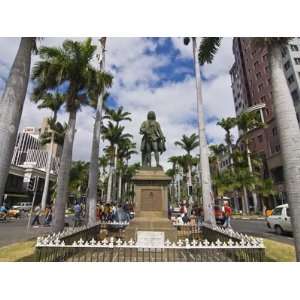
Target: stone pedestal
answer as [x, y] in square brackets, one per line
[151, 204]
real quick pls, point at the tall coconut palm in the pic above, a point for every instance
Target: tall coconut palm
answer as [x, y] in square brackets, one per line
[227, 124]
[54, 103]
[11, 103]
[246, 122]
[207, 194]
[189, 143]
[68, 67]
[125, 150]
[288, 127]
[217, 150]
[98, 83]
[117, 115]
[114, 134]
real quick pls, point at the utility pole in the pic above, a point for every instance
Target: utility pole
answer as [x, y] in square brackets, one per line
[35, 187]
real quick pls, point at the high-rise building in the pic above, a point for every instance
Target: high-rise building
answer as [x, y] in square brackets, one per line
[252, 91]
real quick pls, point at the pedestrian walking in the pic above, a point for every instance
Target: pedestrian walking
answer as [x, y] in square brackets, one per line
[227, 213]
[36, 219]
[77, 215]
[48, 216]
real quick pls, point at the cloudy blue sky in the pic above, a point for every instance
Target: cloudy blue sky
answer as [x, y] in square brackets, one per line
[149, 74]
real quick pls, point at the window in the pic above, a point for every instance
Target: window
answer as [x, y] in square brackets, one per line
[294, 48]
[260, 138]
[263, 99]
[258, 75]
[265, 57]
[291, 79]
[295, 95]
[274, 131]
[254, 52]
[277, 211]
[297, 60]
[269, 81]
[283, 52]
[277, 148]
[267, 69]
[260, 87]
[287, 65]
[256, 64]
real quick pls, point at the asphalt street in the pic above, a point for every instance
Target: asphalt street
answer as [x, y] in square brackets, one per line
[16, 230]
[259, 228]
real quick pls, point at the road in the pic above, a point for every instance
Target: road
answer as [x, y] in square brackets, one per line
[15, 230]
[260, 229]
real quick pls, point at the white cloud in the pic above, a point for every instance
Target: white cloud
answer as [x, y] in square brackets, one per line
[132, 62]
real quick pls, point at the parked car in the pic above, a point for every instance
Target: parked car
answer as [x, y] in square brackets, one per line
[280, 219]
[23, 206]
[219, 215]
[13, 213]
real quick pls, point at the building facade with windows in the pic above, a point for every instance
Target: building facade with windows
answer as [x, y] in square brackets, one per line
[252, 91]
[29, 164]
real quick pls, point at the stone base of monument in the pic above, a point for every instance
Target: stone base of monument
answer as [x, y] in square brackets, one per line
[151, 205]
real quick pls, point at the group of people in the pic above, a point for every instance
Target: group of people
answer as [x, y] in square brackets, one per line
[37, 213]
[110, 212]
[188, 214]
[106, 212]
[194, 215]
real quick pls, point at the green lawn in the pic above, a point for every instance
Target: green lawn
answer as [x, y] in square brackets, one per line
[23, 251]
[279, 252]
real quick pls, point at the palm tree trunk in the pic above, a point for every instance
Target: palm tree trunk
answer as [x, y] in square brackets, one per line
[64, 175]
[120, 188]
[207, 195]
[11, 104]
[48, 170]
[94, 165]
[245, 201]
[289, 135]
[109, 184]
[190, 194]
[254, 195]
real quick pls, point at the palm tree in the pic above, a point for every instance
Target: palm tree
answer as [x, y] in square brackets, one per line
[175, 166]
[217, 150]
[53, 102]
[246, 122]
[99, 82]
[207, 194]
[189, 143]
[11, 103]
[114, 134]
[117, 115]
[78, 178]
[125, 150]
[68, 67]
[286, 119]
[227, 124]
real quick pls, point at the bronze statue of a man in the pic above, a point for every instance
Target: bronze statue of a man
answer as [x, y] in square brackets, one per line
[153, 140]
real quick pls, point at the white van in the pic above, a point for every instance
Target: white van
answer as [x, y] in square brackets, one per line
[280, 219]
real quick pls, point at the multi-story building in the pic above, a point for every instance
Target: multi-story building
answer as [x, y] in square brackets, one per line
[28, 165]
[252, 91]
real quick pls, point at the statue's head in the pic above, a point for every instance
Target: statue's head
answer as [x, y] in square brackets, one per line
[151, 115]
